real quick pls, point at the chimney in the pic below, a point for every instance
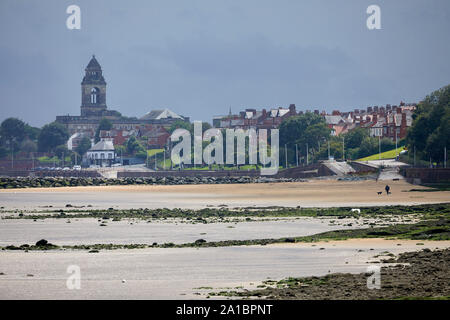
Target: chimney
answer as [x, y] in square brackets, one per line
[264, 113]
[403, 126]
[356, 111]
[292, 109]
[374, 118]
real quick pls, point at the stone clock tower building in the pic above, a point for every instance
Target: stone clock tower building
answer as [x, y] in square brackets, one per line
[93, 91]
[94, 109]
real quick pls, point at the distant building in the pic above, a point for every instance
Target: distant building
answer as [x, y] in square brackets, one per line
[102, 153]
[251, 118]
[94, 108]
[161, 115]
[381, 121]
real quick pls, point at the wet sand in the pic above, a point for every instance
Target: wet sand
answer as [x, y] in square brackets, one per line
[175, 273]
[131, 231]
[315, 193]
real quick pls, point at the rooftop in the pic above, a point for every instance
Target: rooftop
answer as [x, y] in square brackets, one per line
[161, 114]
[103, 145]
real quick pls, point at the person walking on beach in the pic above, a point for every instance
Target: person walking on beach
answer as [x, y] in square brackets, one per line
[387, 188]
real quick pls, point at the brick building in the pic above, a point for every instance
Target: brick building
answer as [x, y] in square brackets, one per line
[384, 121]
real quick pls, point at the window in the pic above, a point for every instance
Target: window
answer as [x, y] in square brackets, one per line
[94, 95]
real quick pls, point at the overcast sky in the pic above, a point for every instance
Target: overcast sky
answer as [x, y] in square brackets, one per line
[201, 57]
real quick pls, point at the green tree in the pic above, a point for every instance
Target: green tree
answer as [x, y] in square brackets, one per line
[61, 151]
[368, 147]
[3, 152]
[28, 146]
[205, 126]
[387, 144]
[335, 149]
[31, 133]
[306, 129]
[12, 132]
[430, 131]
[355, 137]
[180, 124]
[83, 146]
[120, 150]
[51, 136]
[302, 129]
[104, 124]
[134, 146]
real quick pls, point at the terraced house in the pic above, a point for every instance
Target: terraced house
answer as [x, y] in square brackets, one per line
[385, 121]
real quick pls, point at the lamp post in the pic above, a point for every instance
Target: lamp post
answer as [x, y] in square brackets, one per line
[445, 157]
[379, 147]
[396, 144]
[285, 154]
[328, 149]
[307, 154]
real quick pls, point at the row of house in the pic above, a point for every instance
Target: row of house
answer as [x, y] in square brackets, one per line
[251, 118]
[385, 121]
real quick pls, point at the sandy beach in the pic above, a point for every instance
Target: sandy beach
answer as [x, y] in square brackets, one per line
[174, 273]
[314, 193]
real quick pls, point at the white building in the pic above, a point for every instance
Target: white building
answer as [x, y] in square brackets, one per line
[102, 153]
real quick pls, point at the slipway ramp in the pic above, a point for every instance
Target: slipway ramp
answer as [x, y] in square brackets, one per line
[339, 168]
